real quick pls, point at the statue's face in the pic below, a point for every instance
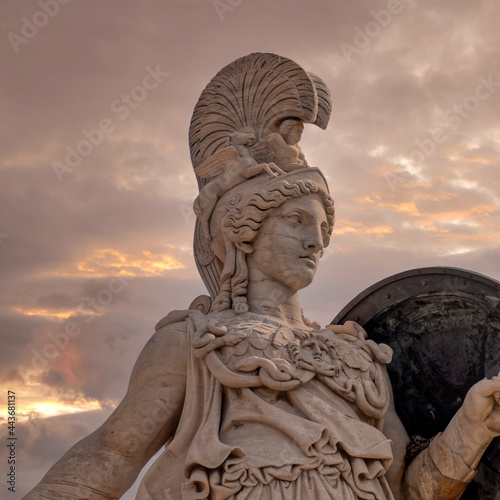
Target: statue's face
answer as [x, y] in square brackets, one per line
[290, 242]
[291, 130]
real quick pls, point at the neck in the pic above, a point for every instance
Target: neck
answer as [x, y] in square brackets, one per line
[268, 297]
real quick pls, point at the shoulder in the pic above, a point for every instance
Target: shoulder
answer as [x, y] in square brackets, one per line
[165, 354]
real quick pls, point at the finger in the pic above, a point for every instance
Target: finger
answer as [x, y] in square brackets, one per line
[335, 328]
[487, 387]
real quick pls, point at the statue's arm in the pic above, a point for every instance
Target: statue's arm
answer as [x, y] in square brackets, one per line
[444, 469]
[106, 463]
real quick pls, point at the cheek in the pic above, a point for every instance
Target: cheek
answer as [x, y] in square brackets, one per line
[272, 259]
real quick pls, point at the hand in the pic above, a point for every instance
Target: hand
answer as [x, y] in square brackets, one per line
[482, 404]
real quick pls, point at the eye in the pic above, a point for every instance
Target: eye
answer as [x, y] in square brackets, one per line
[294, 218]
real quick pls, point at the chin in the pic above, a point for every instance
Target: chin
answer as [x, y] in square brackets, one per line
[301, 281]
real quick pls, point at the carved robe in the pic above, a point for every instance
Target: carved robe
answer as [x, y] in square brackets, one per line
[275, 413]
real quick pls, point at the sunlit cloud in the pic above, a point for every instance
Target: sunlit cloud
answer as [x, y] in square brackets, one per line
[37, 400]
[473, 143]
[110, 262]
[378, 151]
[460, 222]
[361, 228]
[45, 409]
[411, 167]
[409, 208]
[462, 183]
[458, 251]
[478, 159]
[46, 313]
[145, 263]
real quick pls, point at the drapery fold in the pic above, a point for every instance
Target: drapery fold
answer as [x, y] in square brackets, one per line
[248, 444]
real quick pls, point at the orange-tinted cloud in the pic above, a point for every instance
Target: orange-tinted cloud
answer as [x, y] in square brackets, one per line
[359, 227]
[47, 313]
[105, 262]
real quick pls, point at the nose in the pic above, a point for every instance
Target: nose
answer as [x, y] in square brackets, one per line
[314, 241]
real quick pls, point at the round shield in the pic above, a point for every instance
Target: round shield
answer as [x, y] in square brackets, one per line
[443, 325]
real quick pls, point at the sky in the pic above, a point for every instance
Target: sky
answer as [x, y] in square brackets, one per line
[96, 237]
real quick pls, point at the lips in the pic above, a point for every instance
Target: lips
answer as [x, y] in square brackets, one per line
[309, 259]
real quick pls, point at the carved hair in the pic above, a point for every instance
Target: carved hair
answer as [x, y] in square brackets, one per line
[242, 223]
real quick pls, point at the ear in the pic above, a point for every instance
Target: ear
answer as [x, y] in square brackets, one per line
[244, 247]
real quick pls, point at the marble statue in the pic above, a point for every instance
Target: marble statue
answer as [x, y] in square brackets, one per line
[249, 399]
